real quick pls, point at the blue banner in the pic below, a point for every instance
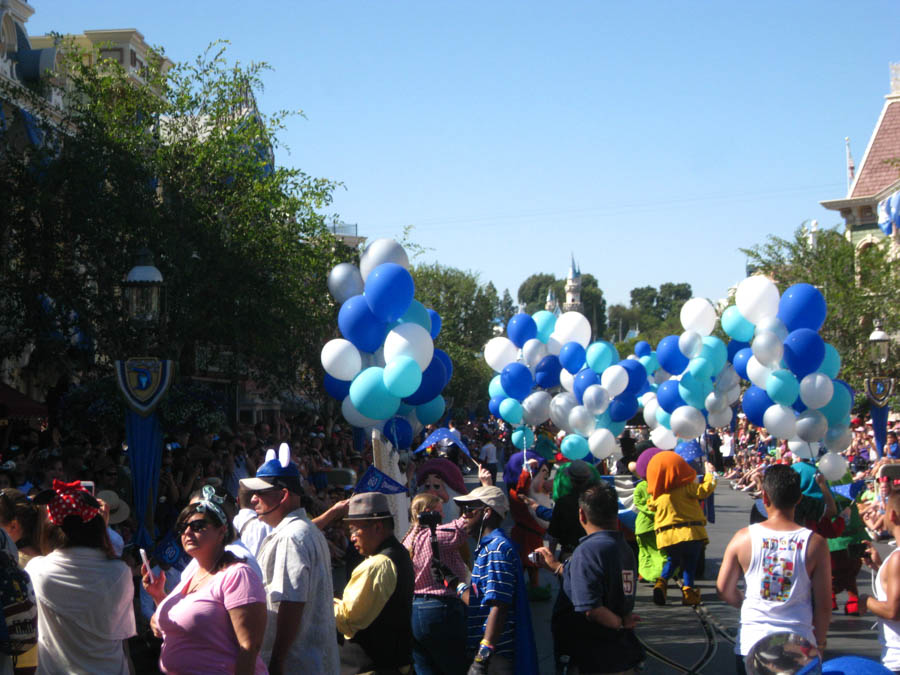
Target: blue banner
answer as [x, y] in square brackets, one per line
[145, 439]
[879, 426]
[377, 481]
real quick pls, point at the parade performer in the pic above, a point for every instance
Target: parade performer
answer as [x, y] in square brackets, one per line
[650, 559]
[846, 553]
[529, 529]
[679, 521]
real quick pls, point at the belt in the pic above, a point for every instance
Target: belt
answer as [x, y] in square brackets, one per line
[693, 523]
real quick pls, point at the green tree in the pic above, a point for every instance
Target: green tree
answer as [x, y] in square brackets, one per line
[533, 291]
[179, 161]
[653, 313]
[506, 308]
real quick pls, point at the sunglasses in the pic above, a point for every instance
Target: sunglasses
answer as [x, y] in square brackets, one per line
[195, 526]
[472, 508]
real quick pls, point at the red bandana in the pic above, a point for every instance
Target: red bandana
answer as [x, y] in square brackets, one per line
[67, 501]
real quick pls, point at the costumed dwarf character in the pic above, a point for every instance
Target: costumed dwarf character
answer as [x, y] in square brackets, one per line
[847, 550]
[529, 529]
[650, 559]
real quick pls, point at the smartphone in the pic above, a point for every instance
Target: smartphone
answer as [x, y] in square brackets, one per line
[88, 485]
[147, 565]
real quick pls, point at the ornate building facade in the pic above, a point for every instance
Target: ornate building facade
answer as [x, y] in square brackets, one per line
[573, 289]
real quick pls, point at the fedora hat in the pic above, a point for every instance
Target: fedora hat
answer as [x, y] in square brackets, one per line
[368, 506]
[118, 509]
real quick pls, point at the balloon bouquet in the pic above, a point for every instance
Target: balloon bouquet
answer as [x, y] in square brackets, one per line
[548, 369]
[386, 371]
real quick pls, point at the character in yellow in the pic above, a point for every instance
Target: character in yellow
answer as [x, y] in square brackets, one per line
[679, 523]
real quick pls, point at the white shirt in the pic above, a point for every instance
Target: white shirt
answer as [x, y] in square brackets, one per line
[296, 567]
[250, 529]
[85, 610]
[489, 453]
[888, 631]
[727, 448]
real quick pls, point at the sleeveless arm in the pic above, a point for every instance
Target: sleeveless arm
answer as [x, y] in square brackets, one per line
[818, 562]
[731, 569]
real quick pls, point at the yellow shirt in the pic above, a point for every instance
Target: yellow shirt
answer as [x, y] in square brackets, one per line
[371, 585]
[679, 507]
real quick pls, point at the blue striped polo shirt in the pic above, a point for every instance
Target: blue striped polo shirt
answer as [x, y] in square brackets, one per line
[494, 577]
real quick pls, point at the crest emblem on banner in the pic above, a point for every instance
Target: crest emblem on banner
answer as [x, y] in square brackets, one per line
[879, 390]
[144, 381]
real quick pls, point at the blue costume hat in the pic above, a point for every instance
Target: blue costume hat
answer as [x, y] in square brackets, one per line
[278, 472]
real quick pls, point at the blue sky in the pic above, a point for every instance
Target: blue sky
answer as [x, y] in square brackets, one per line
[652, 139]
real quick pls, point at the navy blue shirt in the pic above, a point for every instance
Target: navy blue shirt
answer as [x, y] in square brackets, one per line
[494, 576]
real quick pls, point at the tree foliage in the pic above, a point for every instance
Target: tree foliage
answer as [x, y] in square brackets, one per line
[533, 294]
[181, 162]
[653, 313]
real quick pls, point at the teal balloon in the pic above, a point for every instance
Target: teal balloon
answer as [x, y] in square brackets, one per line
[575, 447]
[523, 438]
[736, 326]
[431, 412]
[700, 367]
[511, 411]
[546, 322]
[650, 363]
[405, 409]
[664, 418]
[715, 351]
[495, 388]
[694, 390]
[617, 428]
[839, 405]
[370, 397]
[603, 421]
[831, 364]
[782, 387]
[417, 313]
[601, 355]
[402, 376]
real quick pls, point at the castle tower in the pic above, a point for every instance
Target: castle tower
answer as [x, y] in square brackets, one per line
[551, 305]
[573, 289]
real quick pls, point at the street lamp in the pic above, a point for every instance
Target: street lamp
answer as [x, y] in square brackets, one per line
[143, 289]
[879, 347]
[879, 389]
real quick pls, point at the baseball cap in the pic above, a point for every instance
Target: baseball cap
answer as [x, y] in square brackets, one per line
[273, 474]
[489, 495]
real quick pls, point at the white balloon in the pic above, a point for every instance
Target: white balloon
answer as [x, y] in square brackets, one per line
[614, 379]
[733, 394]
[838, 439]
[650, 414]
[757, 298]
[536, 408]
[344, 281]
[720, 418]
[816, 390]
[663, 438]
[727, 378]
[566, 380]
[381, 251]
[772, 324]
[690, 343]
[687, 422]
[596, 399]
[803, 449]
[554, 346]
[573, 327]
[780, 421]
[581, 421]
[560, 407]
[499, 352]
[768, 349]
[698, 315]
[716, 402]
[757, 373]
[410, 339]
[833, 466]
[354, 417]
[341, 359]
[811, 426]
[533, 351]
[602, 443]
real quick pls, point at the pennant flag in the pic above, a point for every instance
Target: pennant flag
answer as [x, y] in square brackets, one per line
[378, 481]
[442, 434]
[168, 550]
[850, 490]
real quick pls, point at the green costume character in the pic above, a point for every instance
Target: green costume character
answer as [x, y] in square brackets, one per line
[650, 560]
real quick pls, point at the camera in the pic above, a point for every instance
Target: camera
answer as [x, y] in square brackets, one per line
[430, 519]
[535, 557]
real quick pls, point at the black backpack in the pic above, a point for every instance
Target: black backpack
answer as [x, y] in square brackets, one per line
[18, 630]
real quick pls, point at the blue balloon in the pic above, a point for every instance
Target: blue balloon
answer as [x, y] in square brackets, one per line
[584, 379]
[417, 313]
[434, 377]
[694, 390]
[436, 323]
[358, 325]
[399, 432]
[736, 326]
[523, 438]
[800, 406]
[520, 329]
[511, 411]
[663, 417]
[603, 421]
[623, 407]
[669, 397]
[734, 346]
[545, 322]
[802, 306]
[670, 356]
[517, 381]
[650, 362]
[616, 428]
[405, 409]
[783, 387]
[547, 372]
[431, 412]
[495, 388]
[853, 665]
[700, 367]
[494, 405]
[389, 291]
[571, 356]
[336, 388]
[637, 376]
[714, 351]
[402, 376]
[839, 405]
[448, 364]
[690, 451]
[601, 355]
[755, 402]
[804, 351]
[831, 364]
[740, 361]
[370, 397]
[642, 348]
[575, 447]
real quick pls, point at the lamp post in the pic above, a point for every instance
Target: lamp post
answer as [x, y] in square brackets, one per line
[879, 389]
[143, 382]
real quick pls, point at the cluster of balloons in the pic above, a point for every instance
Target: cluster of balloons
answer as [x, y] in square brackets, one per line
[385, 370]
[548, 369]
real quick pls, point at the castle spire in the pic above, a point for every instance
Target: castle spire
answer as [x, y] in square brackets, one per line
[851, 167]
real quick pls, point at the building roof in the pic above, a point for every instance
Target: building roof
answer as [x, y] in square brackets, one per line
[876, 171]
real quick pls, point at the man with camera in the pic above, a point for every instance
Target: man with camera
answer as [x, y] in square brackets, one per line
[593, 624]
[886, 603]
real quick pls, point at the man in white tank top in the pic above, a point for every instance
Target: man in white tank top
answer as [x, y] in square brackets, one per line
[786, 569]
[886, 603]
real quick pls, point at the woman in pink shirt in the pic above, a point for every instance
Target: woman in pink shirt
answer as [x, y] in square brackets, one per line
[213, 621]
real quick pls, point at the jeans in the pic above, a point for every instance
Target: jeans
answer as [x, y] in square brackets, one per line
[684, 554]
[439, 635]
